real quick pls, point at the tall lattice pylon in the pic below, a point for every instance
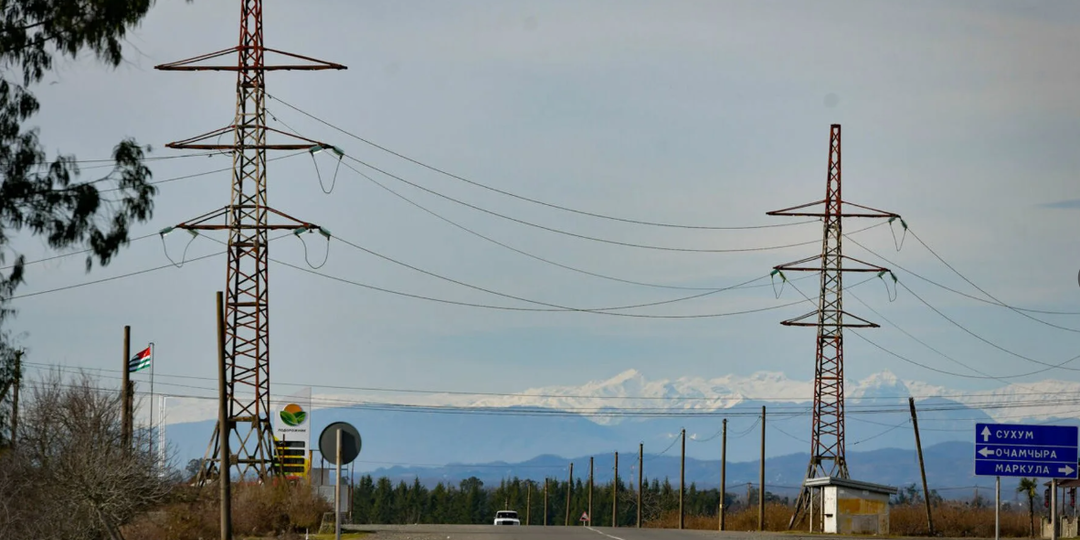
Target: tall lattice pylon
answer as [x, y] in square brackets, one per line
[827, 437]
[248, 220]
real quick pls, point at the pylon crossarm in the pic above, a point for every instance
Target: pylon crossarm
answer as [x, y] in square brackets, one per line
[200, 142]
[786, 211]
[185, 65]
[190, 64]
[826, 213]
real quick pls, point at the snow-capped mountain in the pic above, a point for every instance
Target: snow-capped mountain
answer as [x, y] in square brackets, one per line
[589, 422]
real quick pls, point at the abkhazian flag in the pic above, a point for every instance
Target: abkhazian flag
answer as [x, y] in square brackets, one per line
[141, 360]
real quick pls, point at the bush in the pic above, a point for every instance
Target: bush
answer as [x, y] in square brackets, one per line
[275, 508]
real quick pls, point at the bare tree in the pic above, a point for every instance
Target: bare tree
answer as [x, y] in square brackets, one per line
[70, 477]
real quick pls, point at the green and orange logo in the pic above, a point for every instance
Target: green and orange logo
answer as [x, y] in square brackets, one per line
[293, 415]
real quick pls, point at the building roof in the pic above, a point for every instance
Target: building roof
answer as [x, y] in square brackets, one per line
[848, 483]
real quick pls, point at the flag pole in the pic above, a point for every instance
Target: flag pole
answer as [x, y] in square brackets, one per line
[152, 398]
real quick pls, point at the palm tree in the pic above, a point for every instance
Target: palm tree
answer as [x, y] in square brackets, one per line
[1029, 487]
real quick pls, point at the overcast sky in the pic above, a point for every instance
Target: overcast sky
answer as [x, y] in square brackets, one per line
[960, 116]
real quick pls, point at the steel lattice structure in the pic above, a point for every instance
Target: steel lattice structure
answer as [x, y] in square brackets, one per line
[827, 437]
[248, 218]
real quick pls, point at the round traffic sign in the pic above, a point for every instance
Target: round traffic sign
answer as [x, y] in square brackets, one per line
[350, 443]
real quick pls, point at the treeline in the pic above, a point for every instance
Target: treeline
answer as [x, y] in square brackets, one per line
[471, 502]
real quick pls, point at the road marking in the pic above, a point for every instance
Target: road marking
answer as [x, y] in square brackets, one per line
[603, 533]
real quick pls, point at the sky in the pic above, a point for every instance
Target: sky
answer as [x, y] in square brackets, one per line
[959, 116]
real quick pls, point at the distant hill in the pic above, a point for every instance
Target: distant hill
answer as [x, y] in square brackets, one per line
[503, 436]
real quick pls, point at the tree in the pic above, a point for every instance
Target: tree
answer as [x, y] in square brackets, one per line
[70, 476]
[44, 197]
[1029, 487]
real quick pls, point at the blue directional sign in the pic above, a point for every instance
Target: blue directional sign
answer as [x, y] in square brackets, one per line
[1026, 450]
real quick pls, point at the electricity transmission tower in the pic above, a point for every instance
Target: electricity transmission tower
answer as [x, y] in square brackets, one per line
[827, 438]
[248, 218]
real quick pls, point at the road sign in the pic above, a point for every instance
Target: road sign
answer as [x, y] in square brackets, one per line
[350, 443]
[1026, 450]
[584, 516]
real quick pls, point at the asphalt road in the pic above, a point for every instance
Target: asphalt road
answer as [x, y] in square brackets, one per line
[534, 532]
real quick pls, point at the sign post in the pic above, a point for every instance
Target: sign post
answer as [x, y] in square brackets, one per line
[342, 441]
[1026, 450]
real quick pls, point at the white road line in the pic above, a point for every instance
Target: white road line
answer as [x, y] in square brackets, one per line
[603, 533]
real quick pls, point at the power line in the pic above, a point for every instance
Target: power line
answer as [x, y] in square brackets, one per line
[944, 372]
[923, 343]
[561, 307]
[530, 255]
[524, 309]
[576, 235]
[980, 289]
[523, 198]
[196, 175]
[611, 412]
[112, 278]
[982, 339]
[964, 294]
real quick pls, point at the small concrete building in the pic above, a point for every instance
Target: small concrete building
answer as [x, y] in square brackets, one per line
[851, 506]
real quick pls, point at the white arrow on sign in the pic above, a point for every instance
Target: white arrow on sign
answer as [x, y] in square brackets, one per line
[986, 434]
[986, 452]
[1066, 470]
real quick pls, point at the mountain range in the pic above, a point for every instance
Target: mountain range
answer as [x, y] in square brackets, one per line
[422, 436]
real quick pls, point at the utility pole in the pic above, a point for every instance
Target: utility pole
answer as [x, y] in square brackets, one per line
[528, 501]
[922, 467]
[15, 399]
[125, 394]
[723, 472]
[590, 488]
[223, 424]
[682, 481]
[761, 477]
[546, 482]
[640, 475]
[827, 455]
[569, 491]
[615, 495]
[247, 218]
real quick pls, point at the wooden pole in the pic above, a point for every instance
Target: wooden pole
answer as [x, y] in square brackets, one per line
[682, 481]
[922, 466]
[590, 488]
[640, 473]
[125, 393]
[761, 477]
[615, 495]
[569, 490]
[723, 472]
[528, 501]
[223, 425]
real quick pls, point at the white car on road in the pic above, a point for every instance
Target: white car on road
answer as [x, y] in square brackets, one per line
[507, 517]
